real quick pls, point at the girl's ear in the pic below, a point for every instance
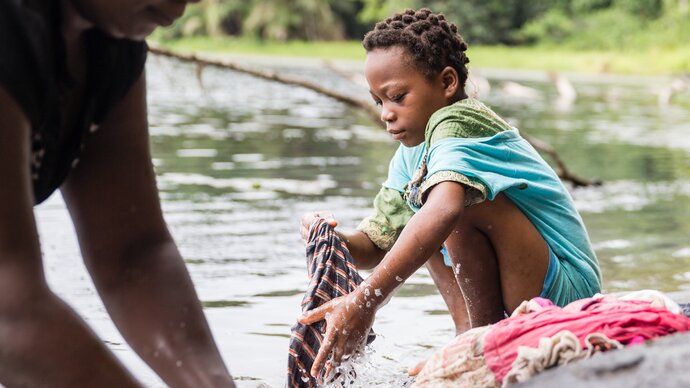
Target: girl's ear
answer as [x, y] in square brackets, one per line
[451, 82]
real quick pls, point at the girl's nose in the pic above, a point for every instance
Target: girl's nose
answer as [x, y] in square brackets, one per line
[386, 115]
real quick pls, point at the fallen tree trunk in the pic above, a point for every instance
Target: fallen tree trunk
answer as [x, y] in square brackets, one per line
[366, 106]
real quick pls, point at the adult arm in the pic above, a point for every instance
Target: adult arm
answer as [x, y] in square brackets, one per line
[130, 254]
[424, 233]
[42, 341]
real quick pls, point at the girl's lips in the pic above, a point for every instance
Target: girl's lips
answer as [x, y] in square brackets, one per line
[397, 135]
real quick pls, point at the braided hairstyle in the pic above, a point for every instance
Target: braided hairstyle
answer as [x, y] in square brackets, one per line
[433, 42]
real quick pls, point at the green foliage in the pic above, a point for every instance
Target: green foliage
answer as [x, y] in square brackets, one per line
[209, 18]
[609, 29]
[647, 9]
[297, 19]
[609, 25]
[582, 7]
[554, 27]
[582, 24]
[376, 10]
[668, 32]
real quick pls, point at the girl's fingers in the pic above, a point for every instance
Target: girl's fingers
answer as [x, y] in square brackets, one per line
[329, 219]
[414, 371]
[338, 353]
[308, 220]
[326, 347]
[318, 313]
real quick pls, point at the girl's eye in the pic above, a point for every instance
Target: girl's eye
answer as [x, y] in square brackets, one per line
[377, 102]
[398, 97]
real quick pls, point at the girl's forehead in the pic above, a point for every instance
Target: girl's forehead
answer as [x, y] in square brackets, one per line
[393, 52]
[390, 60]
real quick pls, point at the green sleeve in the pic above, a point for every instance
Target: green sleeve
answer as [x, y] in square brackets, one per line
[465, 119]
[391, 214]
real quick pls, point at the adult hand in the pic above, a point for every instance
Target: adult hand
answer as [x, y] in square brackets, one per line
[348, 321]
[309, 218]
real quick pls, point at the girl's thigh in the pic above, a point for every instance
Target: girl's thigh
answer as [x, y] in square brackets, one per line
[521, 253]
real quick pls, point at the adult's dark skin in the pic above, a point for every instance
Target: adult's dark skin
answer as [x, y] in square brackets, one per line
[113, 201]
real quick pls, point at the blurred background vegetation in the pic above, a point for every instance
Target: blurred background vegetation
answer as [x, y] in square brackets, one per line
[645, 30]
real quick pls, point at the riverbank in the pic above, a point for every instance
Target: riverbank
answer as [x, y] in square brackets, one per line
[641, 62]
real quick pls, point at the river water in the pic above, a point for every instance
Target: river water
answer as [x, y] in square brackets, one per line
[239, 160]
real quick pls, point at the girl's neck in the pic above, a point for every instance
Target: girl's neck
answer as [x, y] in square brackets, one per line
[461, 96]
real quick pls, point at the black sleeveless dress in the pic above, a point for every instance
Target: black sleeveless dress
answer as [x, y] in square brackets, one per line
[33, 71]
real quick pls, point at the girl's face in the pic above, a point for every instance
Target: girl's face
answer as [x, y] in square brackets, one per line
[132, 19]
[406, 96]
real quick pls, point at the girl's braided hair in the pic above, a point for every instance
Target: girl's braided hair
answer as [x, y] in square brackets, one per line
[433, 41]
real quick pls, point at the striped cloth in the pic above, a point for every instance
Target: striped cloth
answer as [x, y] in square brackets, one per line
[331, 274]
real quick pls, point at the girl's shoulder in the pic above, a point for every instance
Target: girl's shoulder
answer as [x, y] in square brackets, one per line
[467, 118]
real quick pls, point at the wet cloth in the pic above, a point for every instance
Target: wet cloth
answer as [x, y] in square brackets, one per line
[540, 335]
[468, 143]
[331, 274]
[34, 72]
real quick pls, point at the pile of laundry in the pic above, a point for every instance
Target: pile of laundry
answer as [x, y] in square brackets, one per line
[539, 335]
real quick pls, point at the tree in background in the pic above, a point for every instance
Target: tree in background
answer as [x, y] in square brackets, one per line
[480, 21]
[585, 24]
[294, 19]
[602, 24]
[208, 18]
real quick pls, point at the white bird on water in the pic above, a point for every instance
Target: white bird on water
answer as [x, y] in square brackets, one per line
[676, 86]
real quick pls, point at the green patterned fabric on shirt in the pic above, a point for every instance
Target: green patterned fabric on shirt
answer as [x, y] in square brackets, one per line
[468, 118]
[391, 214]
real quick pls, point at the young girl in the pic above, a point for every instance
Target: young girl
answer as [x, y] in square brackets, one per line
[463, 179]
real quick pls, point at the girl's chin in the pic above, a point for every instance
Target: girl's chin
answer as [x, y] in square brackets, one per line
[410, 143]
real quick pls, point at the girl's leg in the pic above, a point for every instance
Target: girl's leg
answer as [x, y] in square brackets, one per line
[501, 257]
[448, 287]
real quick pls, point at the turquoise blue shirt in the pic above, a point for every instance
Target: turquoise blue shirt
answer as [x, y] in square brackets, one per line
[507, 163]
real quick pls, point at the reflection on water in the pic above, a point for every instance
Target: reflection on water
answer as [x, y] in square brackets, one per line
[240, 160]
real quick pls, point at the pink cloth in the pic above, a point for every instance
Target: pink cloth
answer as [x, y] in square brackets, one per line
[621, 320]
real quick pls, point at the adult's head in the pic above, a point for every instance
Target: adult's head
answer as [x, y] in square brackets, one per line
[132, 19]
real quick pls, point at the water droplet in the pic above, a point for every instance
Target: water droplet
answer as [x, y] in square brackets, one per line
[398, 278]
[367, 292]
[178, 363]
[378, 292]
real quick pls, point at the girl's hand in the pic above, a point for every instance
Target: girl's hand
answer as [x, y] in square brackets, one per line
[309, 218]
[348, 321]
[414, 370]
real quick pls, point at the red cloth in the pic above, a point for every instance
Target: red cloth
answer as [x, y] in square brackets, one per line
[621, 320]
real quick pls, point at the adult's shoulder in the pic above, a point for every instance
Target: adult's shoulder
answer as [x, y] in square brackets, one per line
[25, 55]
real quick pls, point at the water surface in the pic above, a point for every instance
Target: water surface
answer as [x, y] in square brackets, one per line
[239, 160]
